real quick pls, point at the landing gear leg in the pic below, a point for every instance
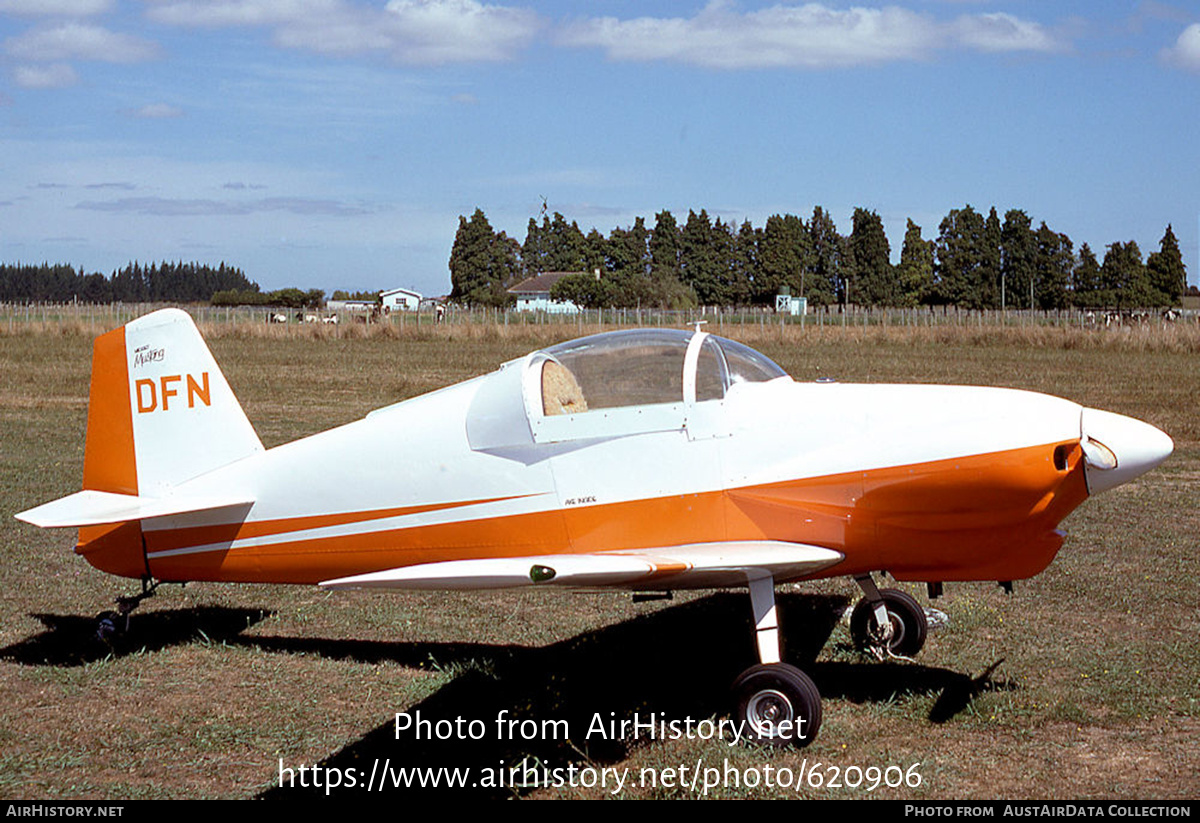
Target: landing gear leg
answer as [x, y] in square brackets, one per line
[775, 703]
[887, 622]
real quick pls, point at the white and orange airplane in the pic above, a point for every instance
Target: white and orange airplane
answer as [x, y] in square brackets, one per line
[649, 460]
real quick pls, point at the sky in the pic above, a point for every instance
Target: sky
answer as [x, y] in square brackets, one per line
[334, 144]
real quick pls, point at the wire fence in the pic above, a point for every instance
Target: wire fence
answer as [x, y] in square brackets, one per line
[16, 316]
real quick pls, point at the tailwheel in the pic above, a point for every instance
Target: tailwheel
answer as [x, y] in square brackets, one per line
[108, 626]
[778, 705]
[903, 635]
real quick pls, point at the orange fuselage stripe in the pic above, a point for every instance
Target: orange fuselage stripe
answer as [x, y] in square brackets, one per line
[978, 517]
[228, 532]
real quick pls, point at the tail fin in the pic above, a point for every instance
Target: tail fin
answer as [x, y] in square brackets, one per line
[160, 411]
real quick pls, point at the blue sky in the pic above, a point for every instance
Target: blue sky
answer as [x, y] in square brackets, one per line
[334, 143]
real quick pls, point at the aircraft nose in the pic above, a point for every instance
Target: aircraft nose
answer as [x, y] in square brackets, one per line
[1118, 448]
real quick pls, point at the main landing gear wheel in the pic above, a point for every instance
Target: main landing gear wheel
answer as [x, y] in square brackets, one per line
[908, 625]
[778, 704]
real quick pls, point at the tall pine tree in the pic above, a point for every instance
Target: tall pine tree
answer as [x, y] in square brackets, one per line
[1018, 253]
[877, 285]
[1167, 274]
[960, 258]
[915, 274]
[482, 263]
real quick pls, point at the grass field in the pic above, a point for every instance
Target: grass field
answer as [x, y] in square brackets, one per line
[1083, 684]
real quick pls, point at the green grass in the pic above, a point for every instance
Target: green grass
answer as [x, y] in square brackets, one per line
[1094, 667]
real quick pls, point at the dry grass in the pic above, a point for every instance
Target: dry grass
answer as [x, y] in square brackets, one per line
[1083, 684]
[969, 329]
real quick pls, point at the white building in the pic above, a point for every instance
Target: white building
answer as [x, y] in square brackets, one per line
[533, 294]
[400, 300]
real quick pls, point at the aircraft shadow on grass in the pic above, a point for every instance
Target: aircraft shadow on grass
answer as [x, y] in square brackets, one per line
[70, 640]
[673, 664]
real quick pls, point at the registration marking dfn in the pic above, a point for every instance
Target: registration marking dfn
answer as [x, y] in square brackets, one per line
[149, 393]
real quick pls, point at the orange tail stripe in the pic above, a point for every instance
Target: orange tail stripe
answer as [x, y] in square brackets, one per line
[109, 464]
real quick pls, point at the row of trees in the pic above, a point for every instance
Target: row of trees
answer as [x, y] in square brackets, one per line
[290, 298]
[136, 283]
[155, 283]
[976, 261]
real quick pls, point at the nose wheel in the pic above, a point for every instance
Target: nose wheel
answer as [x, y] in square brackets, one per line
[888, 622]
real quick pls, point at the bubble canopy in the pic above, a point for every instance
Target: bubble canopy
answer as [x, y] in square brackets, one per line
[642, 367]
[615, 385]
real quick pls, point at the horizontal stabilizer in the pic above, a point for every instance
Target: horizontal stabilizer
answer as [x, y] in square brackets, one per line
[95, 508]
[696, 565]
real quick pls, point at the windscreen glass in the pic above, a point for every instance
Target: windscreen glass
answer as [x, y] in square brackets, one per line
[626, 368]
[747, 365]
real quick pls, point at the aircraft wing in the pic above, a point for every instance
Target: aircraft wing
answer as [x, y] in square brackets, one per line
[95, 508]
[690, 566]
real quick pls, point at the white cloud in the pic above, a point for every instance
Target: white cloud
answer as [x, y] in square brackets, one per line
[60, 8]
[239, 12]
[53, 76]
[806, 36]
[1002, 32]
[82, 42]
[408, 31]
[157, 111]
[452, 30]
[1185, 54]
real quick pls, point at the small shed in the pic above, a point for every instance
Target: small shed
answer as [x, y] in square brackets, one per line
[785, 303]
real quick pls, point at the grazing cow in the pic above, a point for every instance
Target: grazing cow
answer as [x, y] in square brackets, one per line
[278, 318]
